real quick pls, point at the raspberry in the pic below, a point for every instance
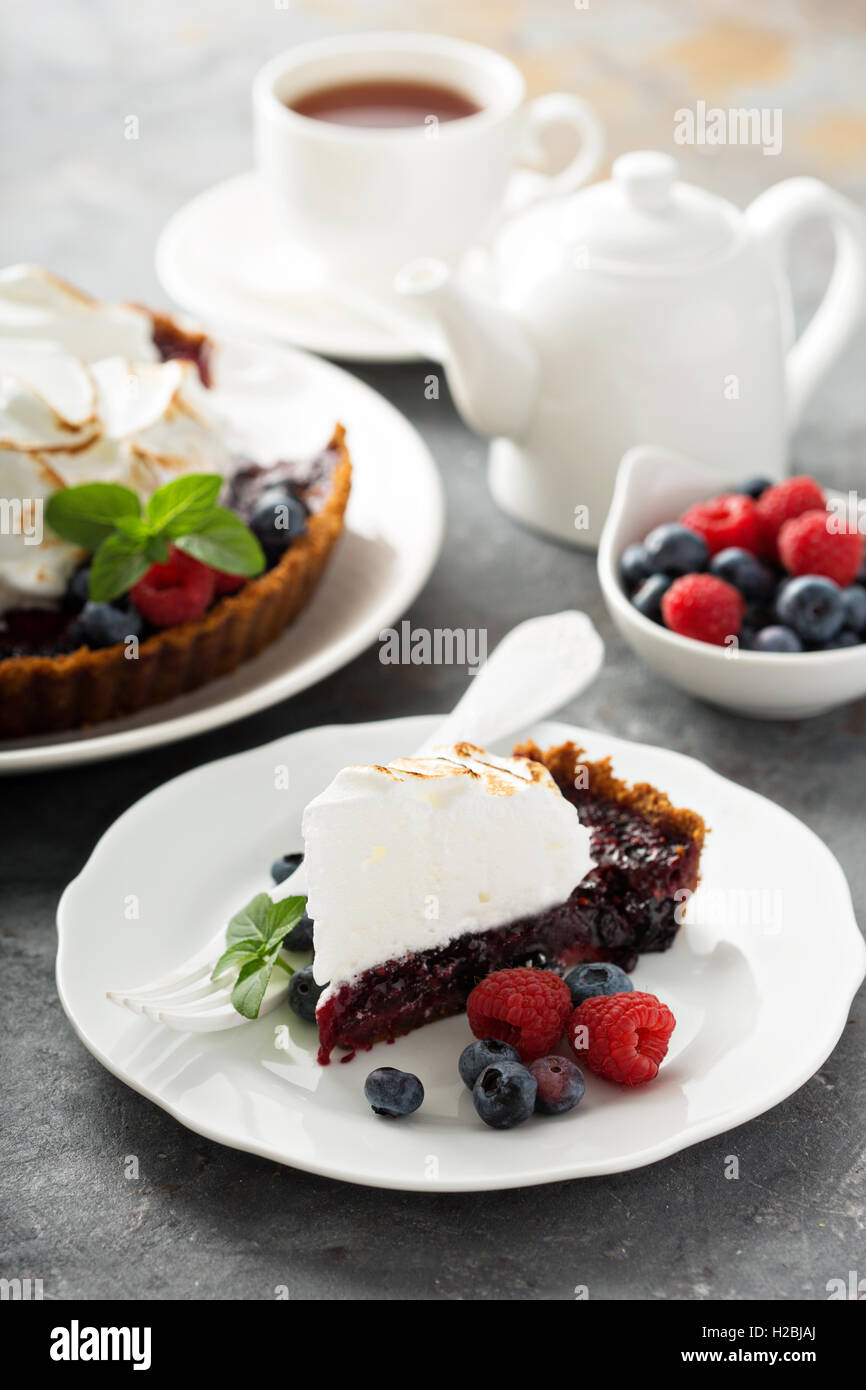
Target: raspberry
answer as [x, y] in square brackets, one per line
[228, 583]
[782, 502]
[703, 607]
[731, 519]
[175, 592]
[808, 546]
[626, 1037]
[525, 1007]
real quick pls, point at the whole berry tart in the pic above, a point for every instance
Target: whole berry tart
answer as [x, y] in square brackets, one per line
[427, 874]
[143, 552]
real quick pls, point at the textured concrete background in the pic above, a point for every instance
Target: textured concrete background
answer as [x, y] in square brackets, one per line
[203, 1221]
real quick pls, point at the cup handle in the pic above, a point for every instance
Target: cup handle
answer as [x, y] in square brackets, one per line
[561, 109]
[772, 217]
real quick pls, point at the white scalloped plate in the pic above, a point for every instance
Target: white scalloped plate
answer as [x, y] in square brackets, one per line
[757, 1009]
[392, 537]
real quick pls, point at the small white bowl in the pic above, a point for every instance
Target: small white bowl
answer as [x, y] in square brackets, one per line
[655, 485]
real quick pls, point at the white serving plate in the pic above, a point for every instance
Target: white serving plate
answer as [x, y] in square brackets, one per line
[392, 537]
[760, 980]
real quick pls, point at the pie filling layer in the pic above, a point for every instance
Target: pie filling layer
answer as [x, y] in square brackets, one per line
[646, 852]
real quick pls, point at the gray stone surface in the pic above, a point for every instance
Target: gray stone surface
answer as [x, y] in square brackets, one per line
[207, 1222]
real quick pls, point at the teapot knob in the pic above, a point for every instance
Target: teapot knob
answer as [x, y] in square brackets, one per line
[647, 178]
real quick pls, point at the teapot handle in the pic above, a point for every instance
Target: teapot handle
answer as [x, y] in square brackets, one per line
[773, 216]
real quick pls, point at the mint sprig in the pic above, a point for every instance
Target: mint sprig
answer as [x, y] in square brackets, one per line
[253, 940]
[126, 539]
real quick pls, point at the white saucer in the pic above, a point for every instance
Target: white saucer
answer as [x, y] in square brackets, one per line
[393, 533]
[760, 980]
[224, 257]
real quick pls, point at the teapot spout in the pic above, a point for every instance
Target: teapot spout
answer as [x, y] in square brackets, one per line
[491, 365]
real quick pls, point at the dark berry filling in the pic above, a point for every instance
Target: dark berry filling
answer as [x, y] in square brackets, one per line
[307, 481]
[173, 344]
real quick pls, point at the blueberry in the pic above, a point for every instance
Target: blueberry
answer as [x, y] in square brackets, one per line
[277, 519]
[635, 565]
[758, 614]
[487, 1053]
[596, 977]
[854, 601]
[304, 993]
[77, 588]
[740, 568]
[560, 1085]
[392, 1092]
[104, 624]
[504, 1095]
[753, 487]
[674, 549]
[846, 638]
[300, 938]
[648, 598]
[776, 639]
[812, 606]
[285, 866]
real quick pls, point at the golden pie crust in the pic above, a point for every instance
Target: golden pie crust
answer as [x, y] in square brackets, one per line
[643, 798]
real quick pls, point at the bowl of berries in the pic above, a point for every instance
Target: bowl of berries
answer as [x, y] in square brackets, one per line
[752, 597]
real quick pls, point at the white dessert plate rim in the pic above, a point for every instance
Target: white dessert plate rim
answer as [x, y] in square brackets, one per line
[750, 1028]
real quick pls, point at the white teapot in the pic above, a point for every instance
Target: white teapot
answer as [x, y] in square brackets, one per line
[639, 310]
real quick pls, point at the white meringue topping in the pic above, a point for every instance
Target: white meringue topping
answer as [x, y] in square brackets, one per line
[408, 856]
[84, 397]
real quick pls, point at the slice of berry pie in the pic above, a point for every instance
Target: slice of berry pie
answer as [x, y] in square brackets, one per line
[427, 874]
[142, 553]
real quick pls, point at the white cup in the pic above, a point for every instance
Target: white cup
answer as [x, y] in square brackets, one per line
[369, 199]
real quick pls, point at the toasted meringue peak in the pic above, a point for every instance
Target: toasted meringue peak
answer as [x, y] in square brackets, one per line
[500, 776]
[30, 423]
[63, 385]
[85, 397]
[36, 304]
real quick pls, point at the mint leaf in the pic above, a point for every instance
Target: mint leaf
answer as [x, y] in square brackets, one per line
[107, 520]
[237, 955]
[251, 922]
[254, 937]
[117, 565]
[132, 528]
[87, 514]
[156, 550]
[282, 917]
[180, 507]
[249, 990]
[225, 542]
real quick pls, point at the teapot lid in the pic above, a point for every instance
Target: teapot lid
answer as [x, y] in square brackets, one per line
[643, 217]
